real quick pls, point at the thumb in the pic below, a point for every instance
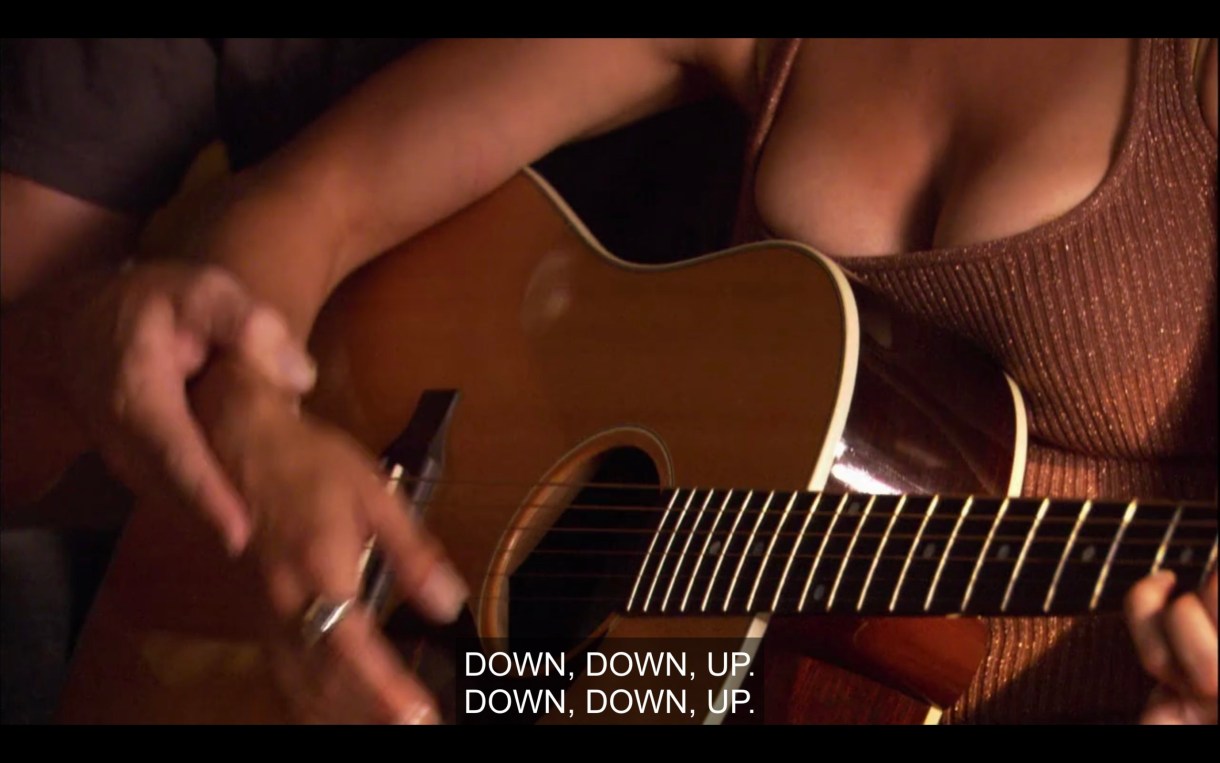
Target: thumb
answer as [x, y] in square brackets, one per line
[222, 314]
[265, 342]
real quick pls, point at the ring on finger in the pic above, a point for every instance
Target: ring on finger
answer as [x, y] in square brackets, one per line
[322, 616]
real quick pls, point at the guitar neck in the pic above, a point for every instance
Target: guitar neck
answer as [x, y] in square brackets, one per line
[744, 552]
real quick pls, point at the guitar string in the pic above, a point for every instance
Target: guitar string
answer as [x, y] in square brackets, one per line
[628, 531]
[1106, 605]
[952, 577]
[1070, 589]
[654, 486]
[947, 508]
[865, 557]
[1081, 586]
[859, 573]
[1036, 567]
[942, 515]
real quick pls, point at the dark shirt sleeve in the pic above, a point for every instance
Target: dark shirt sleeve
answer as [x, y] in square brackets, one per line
[114, 121]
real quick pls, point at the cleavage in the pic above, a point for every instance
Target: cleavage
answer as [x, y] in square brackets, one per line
[888, 146]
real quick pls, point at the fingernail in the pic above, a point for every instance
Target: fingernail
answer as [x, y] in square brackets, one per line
[265, 327]
[1165, 577]
[267, 337]
[236, 537]
[443, 594]
[298, 368]
[424, 715]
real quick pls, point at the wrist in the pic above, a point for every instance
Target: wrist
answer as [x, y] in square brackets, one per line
[296, 238]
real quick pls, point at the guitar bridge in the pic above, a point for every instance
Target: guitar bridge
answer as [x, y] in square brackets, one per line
[417, 458]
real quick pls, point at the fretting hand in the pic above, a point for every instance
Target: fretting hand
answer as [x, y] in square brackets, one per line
[1176, 641]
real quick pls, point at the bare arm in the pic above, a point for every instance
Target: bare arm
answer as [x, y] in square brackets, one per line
[418, 142]
[428, 136]
[44, 234]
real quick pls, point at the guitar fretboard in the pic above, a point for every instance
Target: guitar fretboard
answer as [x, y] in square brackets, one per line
[737, 552]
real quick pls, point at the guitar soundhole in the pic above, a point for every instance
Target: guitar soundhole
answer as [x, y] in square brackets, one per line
[583, 568]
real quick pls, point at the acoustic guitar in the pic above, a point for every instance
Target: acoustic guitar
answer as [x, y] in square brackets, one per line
[705, 449]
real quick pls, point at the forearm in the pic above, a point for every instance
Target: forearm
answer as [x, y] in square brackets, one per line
[39, 432]
[55, 251]
[418, 142]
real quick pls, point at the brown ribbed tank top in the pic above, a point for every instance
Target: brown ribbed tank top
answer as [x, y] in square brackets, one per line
[1106, 318]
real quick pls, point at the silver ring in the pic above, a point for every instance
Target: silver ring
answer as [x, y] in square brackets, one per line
[322, 617]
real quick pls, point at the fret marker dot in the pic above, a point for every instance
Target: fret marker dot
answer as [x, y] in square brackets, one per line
[929, 550]
[757, 548]
[1186, 555]
[714, 548]
[1089, 553]
[853, 509]
[1002, 552]
[819, 592]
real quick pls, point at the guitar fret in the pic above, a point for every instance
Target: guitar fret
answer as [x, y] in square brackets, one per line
[1191, 552]
[1067, 552]
[1020, 565]
[1105, 569]
[685, 547]
[906, 565]
[703, 551]
[817, 560]
[944, 556]
[881, 547]
[770, 547]
[1029, 538]
[795, 546]
[983, 554]
[847, 555]
[656, 576]
[746, 551]
[724, 550]
[1160, 552]
[651, 546]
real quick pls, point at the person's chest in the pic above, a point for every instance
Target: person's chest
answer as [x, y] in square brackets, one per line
[888, 146]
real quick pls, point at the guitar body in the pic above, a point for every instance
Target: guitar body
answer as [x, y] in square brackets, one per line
[758, 366]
